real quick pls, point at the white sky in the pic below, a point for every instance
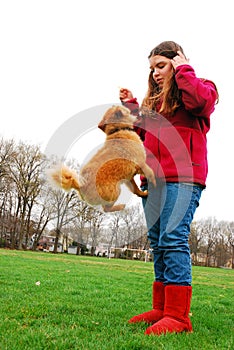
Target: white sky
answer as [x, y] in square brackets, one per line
[59, 58]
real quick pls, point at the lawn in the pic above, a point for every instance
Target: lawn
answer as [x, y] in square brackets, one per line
[66, 302]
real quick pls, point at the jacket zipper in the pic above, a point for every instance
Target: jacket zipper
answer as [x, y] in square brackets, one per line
[159, 153]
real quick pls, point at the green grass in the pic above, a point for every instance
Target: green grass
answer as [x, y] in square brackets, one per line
[85, 303]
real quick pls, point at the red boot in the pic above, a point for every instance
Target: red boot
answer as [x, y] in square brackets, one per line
[176, 310]
[158, 305]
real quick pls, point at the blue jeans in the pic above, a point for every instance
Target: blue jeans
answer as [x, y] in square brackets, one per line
[169, 210]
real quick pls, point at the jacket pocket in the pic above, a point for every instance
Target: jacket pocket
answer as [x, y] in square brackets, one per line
[198, 148]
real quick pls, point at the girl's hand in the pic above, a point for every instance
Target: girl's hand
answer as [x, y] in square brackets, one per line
[179, 60]
[125, 94]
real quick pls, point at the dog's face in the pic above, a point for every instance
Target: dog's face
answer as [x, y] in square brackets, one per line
[116, 117]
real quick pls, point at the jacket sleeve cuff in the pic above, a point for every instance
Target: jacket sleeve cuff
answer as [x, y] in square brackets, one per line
[132, 104]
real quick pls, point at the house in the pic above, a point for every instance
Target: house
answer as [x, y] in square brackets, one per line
[77, 248]
[46, 244]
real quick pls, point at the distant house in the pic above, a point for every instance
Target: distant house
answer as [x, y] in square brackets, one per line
[137, 249]
[72, 250]
[46, 244]
[77, 248]
[102, 250]
[59, 248]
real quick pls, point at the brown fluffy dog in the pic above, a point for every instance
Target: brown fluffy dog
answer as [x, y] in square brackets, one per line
[118, 161]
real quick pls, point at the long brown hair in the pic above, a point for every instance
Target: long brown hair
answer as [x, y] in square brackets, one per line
[167, 99]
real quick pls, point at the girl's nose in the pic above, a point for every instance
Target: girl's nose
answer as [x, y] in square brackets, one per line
[155, 73]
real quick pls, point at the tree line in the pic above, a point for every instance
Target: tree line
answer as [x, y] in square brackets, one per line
[31, 207]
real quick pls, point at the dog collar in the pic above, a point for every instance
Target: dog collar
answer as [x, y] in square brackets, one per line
[119, 129]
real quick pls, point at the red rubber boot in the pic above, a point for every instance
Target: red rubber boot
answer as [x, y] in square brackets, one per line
[158, 305]
[176, 310]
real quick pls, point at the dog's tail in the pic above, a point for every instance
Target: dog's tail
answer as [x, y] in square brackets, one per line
[64, 178]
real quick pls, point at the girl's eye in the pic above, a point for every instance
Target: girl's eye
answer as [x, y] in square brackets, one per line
[159, 66]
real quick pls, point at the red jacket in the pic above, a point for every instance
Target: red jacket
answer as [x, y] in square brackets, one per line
[176, 146]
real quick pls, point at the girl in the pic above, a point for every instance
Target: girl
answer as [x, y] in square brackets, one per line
[173, 121]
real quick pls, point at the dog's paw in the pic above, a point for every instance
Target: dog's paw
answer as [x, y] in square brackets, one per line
[145, 193]
[111, 208]
[142, 194]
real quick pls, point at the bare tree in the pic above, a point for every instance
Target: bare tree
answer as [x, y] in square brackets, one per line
[134, 223]
[25, 172]
[210, 230]
[230, 238]
[20, 184]
[95, 222]
[211, 238]
[82, 217]
[43, 212]
[7, 152]
[195, 239]
[114, 224]
[63, 204]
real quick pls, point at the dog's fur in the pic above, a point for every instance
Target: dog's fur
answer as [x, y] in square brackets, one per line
[118, 161]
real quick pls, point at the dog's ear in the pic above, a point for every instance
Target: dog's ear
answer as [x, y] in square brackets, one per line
[102, 125]
[119, 114]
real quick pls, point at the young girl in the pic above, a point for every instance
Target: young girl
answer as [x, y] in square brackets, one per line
[173, 121]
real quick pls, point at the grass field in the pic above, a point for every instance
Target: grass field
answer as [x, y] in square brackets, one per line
[85, 303]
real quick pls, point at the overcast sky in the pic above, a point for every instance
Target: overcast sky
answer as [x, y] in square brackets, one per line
[60, 58]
